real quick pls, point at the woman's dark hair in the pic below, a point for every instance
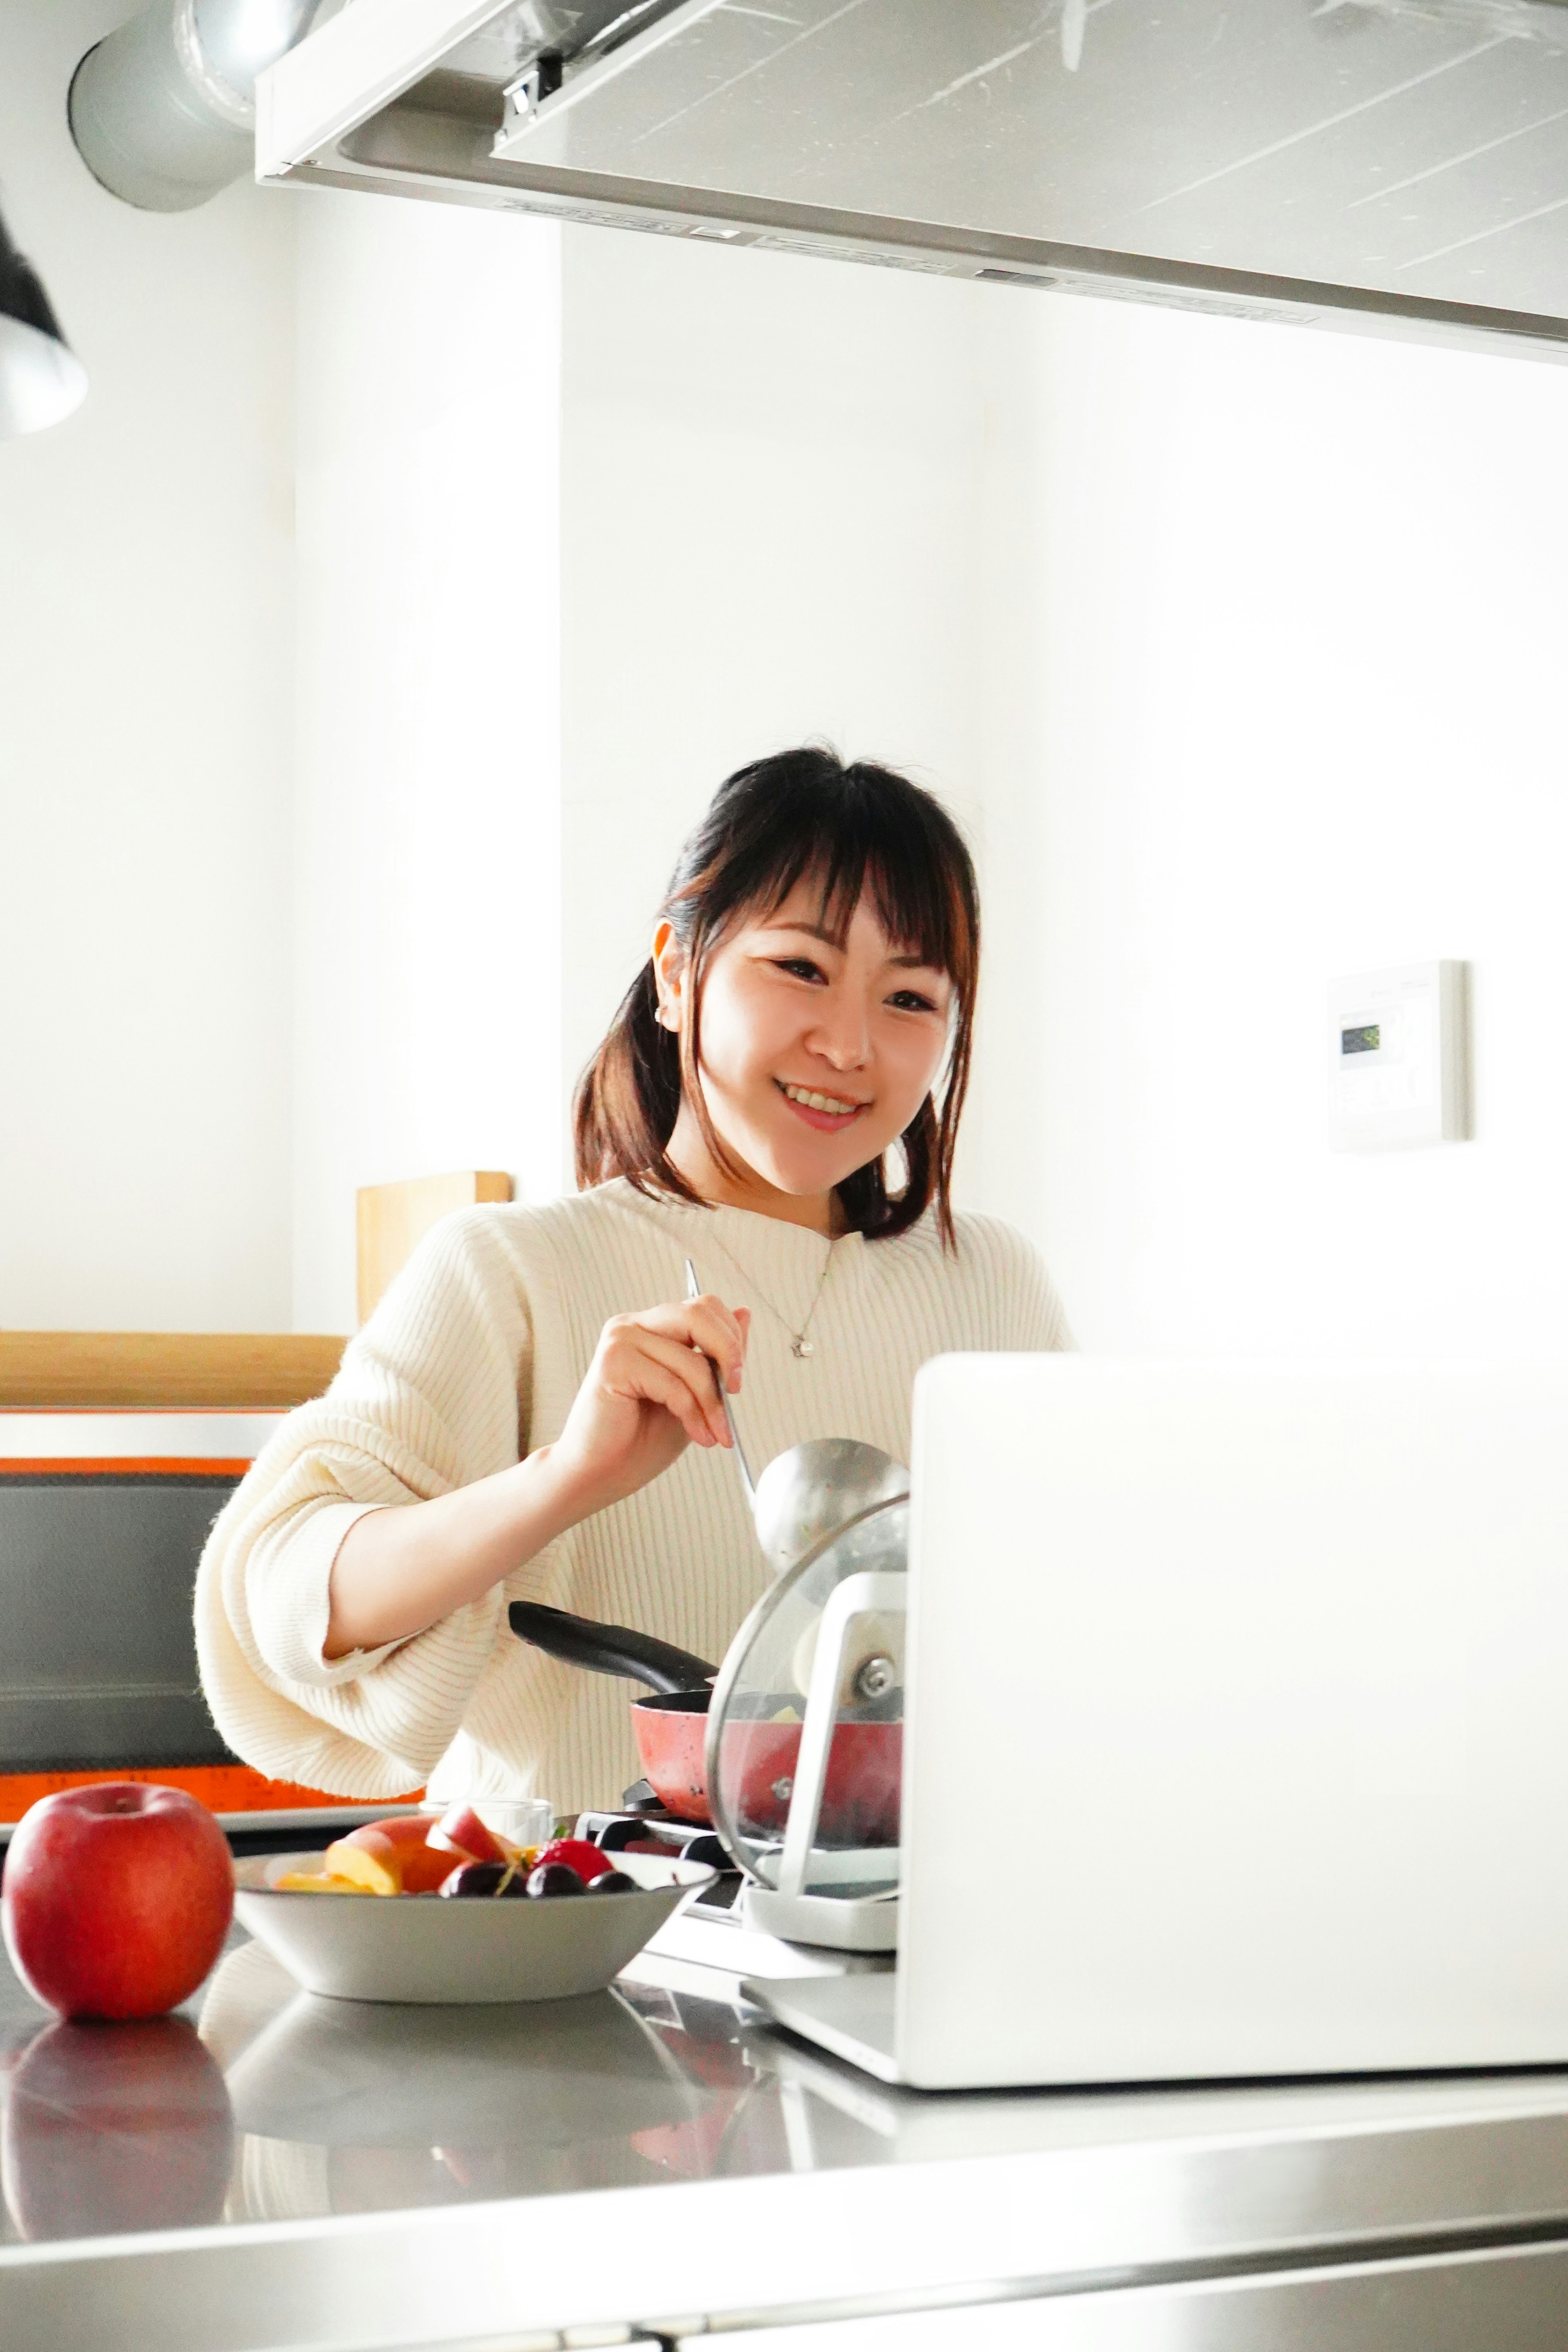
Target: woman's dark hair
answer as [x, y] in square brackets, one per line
[799, 814]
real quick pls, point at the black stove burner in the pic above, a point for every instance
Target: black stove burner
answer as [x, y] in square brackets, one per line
[653, 1833]
[649, 1827]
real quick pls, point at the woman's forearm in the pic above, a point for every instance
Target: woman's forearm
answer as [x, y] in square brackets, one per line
[399, 1571]
[649, 1393]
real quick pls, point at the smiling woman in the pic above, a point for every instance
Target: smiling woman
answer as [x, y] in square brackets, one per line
[819, 947]
[526, 1413]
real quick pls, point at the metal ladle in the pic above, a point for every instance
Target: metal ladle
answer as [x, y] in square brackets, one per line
[813, 1490]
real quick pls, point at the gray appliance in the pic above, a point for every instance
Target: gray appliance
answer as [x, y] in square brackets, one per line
[103, 1520]
[97, 1658]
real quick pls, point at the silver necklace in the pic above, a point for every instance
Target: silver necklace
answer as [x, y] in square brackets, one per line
[799, 1345]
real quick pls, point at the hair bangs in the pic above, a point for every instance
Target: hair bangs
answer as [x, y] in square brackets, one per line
[863, 842]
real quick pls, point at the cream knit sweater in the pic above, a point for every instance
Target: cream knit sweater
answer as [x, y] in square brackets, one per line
[471, 1359]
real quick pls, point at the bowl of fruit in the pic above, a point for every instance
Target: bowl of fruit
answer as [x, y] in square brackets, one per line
[427, 1910]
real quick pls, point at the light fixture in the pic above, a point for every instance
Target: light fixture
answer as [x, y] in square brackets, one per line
[162, 109]
[41, 379]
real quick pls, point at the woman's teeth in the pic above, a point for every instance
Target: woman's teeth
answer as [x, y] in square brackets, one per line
[828, 1103]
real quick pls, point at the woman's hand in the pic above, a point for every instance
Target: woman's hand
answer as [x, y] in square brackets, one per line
[648, 1395]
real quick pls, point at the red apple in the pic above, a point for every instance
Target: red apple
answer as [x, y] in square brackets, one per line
[461, 1832]
[403, 1830]
[117, 1898]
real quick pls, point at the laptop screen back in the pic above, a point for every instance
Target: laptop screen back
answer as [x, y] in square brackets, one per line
[1238, 1720]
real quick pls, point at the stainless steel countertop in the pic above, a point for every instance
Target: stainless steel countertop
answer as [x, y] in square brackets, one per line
[272, 2168]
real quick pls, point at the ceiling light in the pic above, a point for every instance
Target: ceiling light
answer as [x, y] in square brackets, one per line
[40, 379]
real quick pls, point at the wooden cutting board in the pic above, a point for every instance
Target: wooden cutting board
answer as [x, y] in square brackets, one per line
[394, 1218]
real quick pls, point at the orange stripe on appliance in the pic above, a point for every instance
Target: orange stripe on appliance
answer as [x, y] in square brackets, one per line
[122, 1464]
[221, 1788]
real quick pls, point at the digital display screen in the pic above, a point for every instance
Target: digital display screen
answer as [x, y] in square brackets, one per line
[1361, 1041]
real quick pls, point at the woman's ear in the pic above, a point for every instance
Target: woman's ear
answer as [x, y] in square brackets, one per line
[670, 976]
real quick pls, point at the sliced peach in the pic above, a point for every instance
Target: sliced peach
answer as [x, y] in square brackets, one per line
[370, 1861]
[420, 1867]
[423, 1868]
[316, 1882]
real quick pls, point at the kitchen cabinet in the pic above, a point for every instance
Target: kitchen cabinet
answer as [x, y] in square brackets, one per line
[1448, 2303]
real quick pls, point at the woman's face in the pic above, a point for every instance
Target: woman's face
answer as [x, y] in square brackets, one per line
[815, 1057]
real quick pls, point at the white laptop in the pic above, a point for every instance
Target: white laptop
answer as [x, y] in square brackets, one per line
[1236, 1737]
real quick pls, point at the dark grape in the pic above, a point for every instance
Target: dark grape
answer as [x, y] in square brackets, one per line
[554, 1878]
[483, 1878]
[613, 1882]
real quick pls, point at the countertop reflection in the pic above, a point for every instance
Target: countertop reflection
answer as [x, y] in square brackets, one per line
[345, 2106]
[259, 2103]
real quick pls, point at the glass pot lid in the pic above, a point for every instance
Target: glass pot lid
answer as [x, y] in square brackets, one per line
[782, 1714]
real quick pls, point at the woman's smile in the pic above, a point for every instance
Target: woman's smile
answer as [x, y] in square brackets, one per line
[829, 1113]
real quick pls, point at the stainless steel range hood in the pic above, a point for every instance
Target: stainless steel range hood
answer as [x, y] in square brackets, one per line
[1397, 164]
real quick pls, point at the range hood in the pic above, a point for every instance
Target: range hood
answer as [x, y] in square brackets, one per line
[1399, 165]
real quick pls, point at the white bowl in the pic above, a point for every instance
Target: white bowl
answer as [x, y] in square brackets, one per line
[438, 1947]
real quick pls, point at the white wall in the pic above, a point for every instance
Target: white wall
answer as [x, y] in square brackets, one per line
[770, 473]
[1277, 620]
[1237, 647]
[428, 774]
[146, 580]
[764, 488]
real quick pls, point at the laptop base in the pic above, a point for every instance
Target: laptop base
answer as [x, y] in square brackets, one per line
[851, 2016]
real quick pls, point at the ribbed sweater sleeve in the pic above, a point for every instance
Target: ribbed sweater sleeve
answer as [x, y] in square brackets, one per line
[427, 1399]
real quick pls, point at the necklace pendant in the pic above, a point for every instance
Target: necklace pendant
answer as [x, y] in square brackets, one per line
[801, 1346]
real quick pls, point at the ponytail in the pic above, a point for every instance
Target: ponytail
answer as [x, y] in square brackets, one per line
[629, 1096]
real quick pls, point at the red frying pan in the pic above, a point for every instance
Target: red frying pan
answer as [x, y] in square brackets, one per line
[860, 1797]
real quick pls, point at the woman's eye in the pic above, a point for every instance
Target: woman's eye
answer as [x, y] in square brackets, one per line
[798, 967]
[909, 1000]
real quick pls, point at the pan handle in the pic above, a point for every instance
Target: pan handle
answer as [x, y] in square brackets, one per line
[608, 1649]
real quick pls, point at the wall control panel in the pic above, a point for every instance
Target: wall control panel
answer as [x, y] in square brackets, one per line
[1399, 1057]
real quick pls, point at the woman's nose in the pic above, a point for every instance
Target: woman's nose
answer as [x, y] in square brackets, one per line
[843, 1036]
